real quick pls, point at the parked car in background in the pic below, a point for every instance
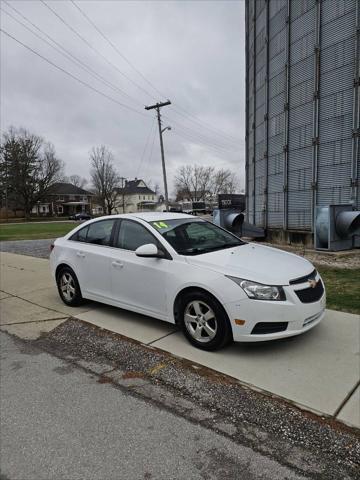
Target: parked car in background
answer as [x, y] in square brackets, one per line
[188, 271]
[80, 216]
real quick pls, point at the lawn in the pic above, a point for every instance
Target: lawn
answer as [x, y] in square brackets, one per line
[33, 231]
[342, 288]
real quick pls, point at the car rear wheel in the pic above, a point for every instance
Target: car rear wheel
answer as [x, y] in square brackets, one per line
[204, 321]
[68, 287]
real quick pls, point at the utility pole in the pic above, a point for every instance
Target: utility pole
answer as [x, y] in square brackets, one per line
[122, 191]
[158, 106]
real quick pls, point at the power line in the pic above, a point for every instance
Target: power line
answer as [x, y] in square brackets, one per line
[71, 75]
[200, 137]
[151, 151]
[196, 140]
[199, 122]
[66, 53]
[145, 147]
[193, 135]
[91, 46]
[176, 109]
[115, 48]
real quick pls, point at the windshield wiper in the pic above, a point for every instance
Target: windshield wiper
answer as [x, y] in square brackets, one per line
[198, 251]
[221, 247]
[190, 251]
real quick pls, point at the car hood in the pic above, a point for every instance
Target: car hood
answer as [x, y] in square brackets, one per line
[255, 262]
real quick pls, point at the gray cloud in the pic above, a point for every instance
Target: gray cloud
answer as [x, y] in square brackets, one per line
[192, 51]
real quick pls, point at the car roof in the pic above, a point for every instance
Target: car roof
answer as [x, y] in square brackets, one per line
[154, 216]
[149, 216]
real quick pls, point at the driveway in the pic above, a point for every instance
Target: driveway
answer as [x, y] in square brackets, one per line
[318, 371]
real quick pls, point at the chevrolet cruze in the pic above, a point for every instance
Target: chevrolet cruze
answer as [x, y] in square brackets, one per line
[188, 271]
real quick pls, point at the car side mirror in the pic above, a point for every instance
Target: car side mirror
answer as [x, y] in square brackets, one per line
[149, 250]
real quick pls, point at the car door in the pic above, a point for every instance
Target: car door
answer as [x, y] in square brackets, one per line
[92, 257]
[139, 283]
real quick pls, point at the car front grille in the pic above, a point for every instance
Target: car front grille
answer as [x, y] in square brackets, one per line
[304, 279]
[309, 295]
[262, 328]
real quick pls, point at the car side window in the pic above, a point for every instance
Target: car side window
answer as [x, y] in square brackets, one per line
[98, 233]
[132, 235]
[80, 235]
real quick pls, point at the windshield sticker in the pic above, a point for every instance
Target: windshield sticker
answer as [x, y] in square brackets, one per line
[160, 225]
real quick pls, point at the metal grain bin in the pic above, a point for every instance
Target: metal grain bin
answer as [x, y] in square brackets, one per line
[303, 112]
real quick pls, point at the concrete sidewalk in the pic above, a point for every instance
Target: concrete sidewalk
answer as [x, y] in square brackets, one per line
[318, 371]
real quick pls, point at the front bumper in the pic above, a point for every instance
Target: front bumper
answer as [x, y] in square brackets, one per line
[300, 317]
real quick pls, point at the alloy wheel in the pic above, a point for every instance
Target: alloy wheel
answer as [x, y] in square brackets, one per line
[67, 286]
[200, 321]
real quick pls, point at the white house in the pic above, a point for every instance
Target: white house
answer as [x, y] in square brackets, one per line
[136, 196]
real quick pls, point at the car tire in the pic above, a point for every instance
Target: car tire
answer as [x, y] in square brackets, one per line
[204, 321]
[68, 287]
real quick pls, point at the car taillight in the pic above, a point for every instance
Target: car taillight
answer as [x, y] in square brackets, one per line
[52, 246]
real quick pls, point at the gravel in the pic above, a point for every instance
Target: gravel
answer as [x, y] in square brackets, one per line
[344, 259]
[33, 248]
[313, 445]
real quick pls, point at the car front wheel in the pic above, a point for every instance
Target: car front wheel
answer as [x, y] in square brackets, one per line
[204, 321]
[68, 287]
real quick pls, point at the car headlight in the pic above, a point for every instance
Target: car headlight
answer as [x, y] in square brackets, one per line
[258, 291]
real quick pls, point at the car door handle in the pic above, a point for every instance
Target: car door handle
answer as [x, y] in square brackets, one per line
[80, 254]
[117, 264]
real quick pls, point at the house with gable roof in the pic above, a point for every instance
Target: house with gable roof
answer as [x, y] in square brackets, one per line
[136, 196]
[64, 199]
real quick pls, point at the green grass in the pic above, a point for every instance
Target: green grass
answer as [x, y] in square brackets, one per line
[34, 231]
[342, 288]
[4, 221]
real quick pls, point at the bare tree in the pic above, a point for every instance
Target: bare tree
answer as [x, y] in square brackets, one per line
[157, 189]
[200, 183]
[104, 177]
[183, 182]
[76, 180]
[153, 186]
[194, 182]
[28, 168]
[224, 181]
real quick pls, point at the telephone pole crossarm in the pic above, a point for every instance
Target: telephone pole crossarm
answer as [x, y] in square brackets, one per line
[158, 105]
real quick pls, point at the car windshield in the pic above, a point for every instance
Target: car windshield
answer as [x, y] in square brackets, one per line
[195, 237]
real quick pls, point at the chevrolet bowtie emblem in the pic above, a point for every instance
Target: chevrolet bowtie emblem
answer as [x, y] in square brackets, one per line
[312, 283]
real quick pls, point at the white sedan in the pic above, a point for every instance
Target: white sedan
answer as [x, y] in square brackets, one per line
[188, 271]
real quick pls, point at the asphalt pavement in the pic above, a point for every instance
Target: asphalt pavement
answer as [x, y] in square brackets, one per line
[61, 422]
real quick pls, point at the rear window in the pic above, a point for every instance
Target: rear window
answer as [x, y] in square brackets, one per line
[98, 233]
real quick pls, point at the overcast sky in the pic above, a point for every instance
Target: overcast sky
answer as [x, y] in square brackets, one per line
[192, 52]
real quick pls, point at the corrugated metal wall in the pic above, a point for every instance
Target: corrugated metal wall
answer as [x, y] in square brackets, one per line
[302, 109]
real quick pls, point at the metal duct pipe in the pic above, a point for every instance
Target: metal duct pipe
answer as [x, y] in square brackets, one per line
[233, 221]
[335, 227]
[347, 223]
